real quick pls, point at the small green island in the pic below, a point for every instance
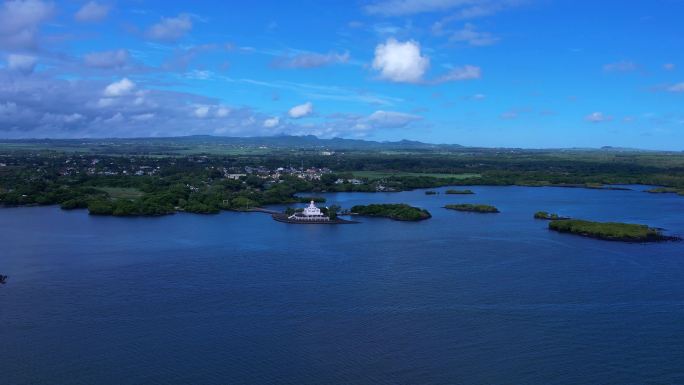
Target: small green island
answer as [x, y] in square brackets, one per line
[459, 192]
[485, 209]
[611, 231]
[665, 190]
[397, 212]
[549, 216]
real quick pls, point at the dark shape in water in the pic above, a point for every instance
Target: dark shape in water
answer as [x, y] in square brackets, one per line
[459, 192]
[485, 209]
[397, 212]
[3, 279]
[610, 231]
[549, 216]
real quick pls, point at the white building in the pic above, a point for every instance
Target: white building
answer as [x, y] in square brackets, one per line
[310, 213]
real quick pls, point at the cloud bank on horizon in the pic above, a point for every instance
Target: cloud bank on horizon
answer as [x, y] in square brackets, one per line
[525, 73]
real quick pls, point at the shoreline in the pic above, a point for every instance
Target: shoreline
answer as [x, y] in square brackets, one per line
[283, 218]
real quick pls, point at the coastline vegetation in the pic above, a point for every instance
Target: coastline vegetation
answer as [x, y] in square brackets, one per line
[485, 209]
[548, 216]
[130, 177]
[398, 212]
[665, 190]
[612, 231]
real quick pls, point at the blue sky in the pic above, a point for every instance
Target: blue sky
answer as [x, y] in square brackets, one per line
[513, 73]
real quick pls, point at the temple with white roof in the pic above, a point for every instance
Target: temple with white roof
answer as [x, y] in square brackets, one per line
[310, 213]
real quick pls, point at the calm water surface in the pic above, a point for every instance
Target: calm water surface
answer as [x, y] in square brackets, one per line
[238, 298]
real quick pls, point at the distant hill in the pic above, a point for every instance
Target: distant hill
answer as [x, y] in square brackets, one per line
[284, 141]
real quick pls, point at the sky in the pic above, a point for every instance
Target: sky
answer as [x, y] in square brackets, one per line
[491, 73]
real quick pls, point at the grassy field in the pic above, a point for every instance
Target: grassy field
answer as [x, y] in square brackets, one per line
[382, 174]
[122, 192]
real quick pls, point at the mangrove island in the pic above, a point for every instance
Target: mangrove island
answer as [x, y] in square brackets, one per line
[549, 216]
[459, 192]
[611, 231]
[397, 212]
[485, 209]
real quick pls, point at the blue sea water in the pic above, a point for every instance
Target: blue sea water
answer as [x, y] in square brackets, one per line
[237, 298]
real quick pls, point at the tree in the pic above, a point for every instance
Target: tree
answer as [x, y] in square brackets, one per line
[333, 210]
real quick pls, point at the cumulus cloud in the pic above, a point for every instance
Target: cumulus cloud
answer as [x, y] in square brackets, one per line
[222, 112]
[92, 11]
[679, 87]
[598, 117]
[201, 111]
[24, 64]
[77, 108]
[271, 122]
[471, 36]
[107, 59]
[301, 110]
[170, 29]
[311, 60]
[400, 61]
[20, 21]
[390, 119]
[621, 66]
[467, 72]
[120, 88]
[463, 9]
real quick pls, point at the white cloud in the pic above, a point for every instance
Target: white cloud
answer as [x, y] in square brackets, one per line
[669, 66]
[301, 110]
[409, 7]
[508, 115]
[20, 20]
[467, 72]
[311, 60]
[201, 111]
[120, 88]
[271, 122]
[388, 119]
[621, 66]
[222, 112]
[679, 87]
[473, 37]
[107, 59]
[598, 117]
[464, 9]
[478, 97]
[400, 61]
[170, 29]
[21, 63]
[143, 117]
[92, 11]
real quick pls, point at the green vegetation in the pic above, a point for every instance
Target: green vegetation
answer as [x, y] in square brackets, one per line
[122, 192]
[665, 190]
[399, 212]
[459, 192]
[548, 216]
[309, 199]
[485, 209]
[430, 192]
[612, 231]
[205, 175]
[373, 175]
